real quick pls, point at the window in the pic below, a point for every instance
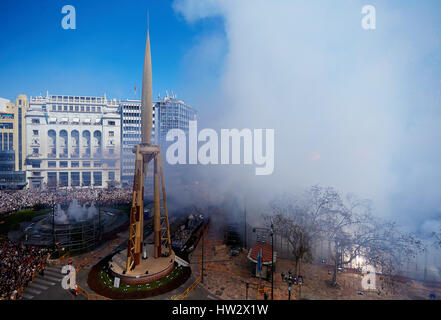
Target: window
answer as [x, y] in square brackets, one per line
[111, 175]
[111, 163]
[86, 179]
[111, 133]
[51, 164]
[63, 164]
[35, 132]
[54, 108]
[75, 179]
[97, 178]
[77, 108]
[70, 108]
[111, 123]
[35, 165]
[75, 164]
[60, 108]
[98, 109]
[111, 151]
[35, 151]
[97, 164]
[65, 108]
[64, 179]
[19, 102]
[35, 121]
[86, 164]
[93, 109]
[52, 179]
[6, 125]
[88, 109]
[82, 108]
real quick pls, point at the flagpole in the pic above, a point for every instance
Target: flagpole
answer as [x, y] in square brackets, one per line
[260, 268]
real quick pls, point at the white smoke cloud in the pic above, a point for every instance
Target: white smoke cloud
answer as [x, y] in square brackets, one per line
[354, 109]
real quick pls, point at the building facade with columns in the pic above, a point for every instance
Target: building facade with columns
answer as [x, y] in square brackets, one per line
[73, 141]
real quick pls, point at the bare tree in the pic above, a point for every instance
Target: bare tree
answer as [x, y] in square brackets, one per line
[348, 226]
[390, 246]
[292, 227]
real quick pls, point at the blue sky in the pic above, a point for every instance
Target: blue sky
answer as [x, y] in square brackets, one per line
[367, 102]
[103, 55]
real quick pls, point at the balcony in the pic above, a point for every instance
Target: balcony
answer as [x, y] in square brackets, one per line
[51, 155]
[34, 155]
[63, 155]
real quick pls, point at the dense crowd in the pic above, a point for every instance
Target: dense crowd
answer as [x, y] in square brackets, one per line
[18, 264]
[21, 199]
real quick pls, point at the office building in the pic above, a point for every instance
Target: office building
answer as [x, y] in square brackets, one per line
[173, 114]
[168, 113]
[131, 136]
[13, 143]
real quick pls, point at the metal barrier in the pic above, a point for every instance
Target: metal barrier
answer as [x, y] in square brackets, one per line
[187, 291]
[90, 296]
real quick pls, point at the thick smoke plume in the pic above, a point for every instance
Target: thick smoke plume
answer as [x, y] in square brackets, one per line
[355, 109]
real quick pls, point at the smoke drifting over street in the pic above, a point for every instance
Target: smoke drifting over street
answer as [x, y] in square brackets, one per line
[355, 109]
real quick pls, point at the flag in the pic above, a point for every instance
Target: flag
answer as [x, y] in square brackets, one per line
[259, 262]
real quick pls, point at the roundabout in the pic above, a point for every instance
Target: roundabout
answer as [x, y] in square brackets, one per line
[148, 270]
[102, 280]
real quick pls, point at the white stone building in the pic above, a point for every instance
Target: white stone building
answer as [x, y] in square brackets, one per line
[72, 141]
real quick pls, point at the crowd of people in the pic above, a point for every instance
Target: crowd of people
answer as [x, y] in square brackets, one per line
[21, 199]
[18, 264]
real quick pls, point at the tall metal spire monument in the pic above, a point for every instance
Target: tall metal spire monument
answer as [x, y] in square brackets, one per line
[145, 153]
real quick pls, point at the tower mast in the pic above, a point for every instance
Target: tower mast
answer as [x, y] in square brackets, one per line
[145, 152]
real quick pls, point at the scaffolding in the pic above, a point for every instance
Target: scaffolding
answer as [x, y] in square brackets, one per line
[73, 238]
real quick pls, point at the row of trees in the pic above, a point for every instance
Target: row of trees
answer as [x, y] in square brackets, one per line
[346, 224]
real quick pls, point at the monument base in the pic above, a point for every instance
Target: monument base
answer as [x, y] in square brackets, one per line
[148, 270]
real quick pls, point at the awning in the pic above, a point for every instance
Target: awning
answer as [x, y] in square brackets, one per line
[265, 249]
[52, 119]
[86, 121]
[98, 121]
[77, 120]
[64, 120]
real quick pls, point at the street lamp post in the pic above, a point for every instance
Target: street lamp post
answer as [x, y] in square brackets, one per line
[247, 284]
[288, 278]
[272, 262]
[99, 216]
[53, 222]
[202, 269]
